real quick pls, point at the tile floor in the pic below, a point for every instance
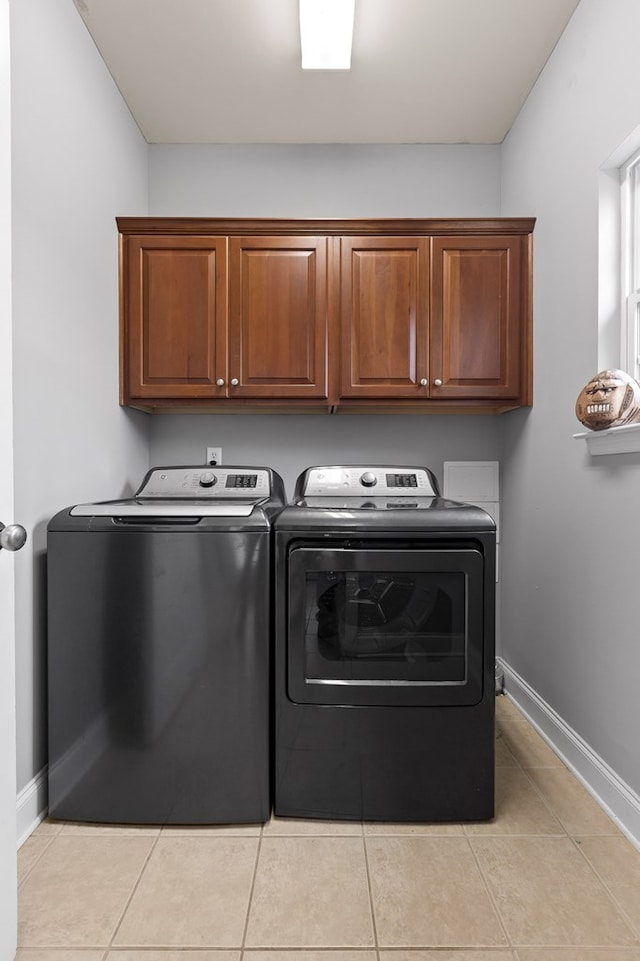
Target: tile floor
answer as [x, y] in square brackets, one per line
[550, 879]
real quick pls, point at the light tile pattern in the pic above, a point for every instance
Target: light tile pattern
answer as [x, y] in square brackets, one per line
[311, 892]
[193, 893]
[551, 878]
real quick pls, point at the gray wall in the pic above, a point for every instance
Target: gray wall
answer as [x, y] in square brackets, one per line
[572, 522]
[78, 160]
[329, 181]
[324, 180]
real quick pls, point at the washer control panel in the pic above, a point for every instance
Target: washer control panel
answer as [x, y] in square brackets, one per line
[206, 482]
[376, 481]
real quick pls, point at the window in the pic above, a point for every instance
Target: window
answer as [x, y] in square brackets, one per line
[619, 282]
[630, 260]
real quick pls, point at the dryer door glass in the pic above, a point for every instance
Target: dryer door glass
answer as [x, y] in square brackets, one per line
[375, 626]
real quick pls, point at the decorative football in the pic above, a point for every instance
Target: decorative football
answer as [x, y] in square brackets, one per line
[610, 399]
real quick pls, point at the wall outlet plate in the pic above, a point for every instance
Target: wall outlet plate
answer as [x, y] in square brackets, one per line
[214, 456]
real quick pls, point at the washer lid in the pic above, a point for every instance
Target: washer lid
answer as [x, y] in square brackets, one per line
[154, 507]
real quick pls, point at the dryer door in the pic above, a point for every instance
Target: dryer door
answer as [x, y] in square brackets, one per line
[369, 626]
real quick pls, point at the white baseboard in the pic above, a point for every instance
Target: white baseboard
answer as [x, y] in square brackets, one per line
[614, 796]
[31, 806]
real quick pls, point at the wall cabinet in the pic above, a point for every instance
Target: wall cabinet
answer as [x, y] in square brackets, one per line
[277, 319]
[174, 338]
[211, 318]
[384, 317]
[381, 315]
[477, 335]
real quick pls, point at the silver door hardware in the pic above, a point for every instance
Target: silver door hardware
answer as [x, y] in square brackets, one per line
[12, 537]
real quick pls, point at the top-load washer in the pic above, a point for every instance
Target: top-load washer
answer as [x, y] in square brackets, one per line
[384, 669]
[159, 635]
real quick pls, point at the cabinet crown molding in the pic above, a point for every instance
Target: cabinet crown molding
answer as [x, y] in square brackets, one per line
[380, 227]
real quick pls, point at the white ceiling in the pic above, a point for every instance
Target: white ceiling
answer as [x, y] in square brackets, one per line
[228, 71]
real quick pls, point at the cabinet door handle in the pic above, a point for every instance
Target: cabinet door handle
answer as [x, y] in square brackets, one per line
[234, 381]
[437, 382]
[424, 382]
[220, 382]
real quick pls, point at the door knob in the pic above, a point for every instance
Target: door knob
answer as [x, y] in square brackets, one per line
[220, 382]
[424, 382]
[437, 382]
[234, 381]
[12, 537]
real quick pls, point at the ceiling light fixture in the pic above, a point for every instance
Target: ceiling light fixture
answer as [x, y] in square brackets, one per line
[326, 33]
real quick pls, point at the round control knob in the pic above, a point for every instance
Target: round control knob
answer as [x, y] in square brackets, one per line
[220, 382]
[438, 382]
[368, 479]
[207, 479]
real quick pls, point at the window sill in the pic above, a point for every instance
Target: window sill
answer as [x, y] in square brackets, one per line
[613, 440]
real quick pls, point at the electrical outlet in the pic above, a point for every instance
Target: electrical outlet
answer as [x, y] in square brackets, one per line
[214, 456]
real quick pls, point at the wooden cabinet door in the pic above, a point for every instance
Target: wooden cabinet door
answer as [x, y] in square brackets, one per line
[174, 316]
[476, 317]
[384, 308]
[278, 317]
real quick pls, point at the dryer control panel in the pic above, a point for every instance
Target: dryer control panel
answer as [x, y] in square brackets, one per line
[376, 481]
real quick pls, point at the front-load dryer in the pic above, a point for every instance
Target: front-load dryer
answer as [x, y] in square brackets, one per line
[384, 667]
